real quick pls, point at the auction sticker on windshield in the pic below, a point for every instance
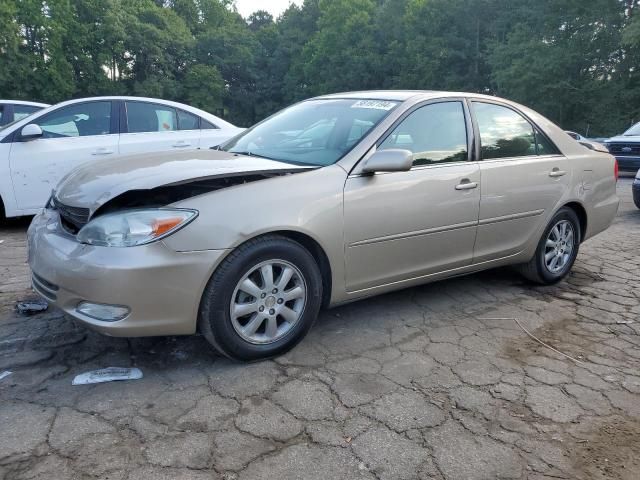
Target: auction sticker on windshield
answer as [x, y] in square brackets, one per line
[376, 104]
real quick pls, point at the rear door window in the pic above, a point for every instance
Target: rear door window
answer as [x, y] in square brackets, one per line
[145, 117]
[545, 146]
[206, 125]
[188, 121]
[504, 133]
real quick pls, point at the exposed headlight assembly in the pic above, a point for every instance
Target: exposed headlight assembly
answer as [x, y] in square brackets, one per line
[130, 228]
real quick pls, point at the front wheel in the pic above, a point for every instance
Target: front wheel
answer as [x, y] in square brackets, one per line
[262, 299]
[556, 251]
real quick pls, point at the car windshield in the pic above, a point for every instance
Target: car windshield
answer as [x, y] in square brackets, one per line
[315, 132]
[635, 130]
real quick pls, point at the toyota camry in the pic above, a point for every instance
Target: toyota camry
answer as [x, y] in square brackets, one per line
[331, 200]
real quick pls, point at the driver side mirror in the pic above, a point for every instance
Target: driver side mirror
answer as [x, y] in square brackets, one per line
[31, 132]
[392, 160]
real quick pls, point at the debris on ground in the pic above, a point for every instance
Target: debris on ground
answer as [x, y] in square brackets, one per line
[110, 374]
[624, 322]
[5, 374]
[535, 338]
[32, 306]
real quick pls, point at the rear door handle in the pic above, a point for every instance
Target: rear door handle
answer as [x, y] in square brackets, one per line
[556, 172]
[181, 144]
[466, 185]
[102, 151]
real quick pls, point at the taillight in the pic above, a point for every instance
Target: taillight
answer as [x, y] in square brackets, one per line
[615, 168]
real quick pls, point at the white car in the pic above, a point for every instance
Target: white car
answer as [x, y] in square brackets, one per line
[37, 151]
[14, 110]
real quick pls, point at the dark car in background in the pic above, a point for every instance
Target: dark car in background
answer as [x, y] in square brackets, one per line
[626, 149]
[13, 110]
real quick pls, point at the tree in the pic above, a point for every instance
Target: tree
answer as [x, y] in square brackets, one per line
[574, 61]
[203, 87]
[339, 54]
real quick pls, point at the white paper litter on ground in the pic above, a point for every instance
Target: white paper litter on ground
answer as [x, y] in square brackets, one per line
[5, 374]
[111, 374]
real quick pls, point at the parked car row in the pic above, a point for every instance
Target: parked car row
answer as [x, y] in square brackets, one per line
[37, 150]
[331, 200]
[625, 147]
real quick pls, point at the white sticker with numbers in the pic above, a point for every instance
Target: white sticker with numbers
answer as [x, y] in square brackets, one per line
[375, 104]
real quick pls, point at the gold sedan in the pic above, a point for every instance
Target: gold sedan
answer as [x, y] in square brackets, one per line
[331, 200]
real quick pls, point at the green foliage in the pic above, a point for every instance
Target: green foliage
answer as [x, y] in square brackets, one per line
[203, 87]
[574, 61]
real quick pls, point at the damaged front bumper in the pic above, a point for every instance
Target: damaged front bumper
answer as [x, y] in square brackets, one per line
[155, 289]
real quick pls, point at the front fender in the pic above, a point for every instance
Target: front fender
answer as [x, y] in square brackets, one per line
[310, 203]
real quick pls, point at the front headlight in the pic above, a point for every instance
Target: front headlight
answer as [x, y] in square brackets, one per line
[134, 227]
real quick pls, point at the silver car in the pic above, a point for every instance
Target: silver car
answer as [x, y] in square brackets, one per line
[331, 200]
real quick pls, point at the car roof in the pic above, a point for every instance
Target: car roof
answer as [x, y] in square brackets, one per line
[403, 95]
[399, 95]
[23, 102]
[219, 122]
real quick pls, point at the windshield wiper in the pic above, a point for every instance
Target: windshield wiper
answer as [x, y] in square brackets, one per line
[290, 162]
[252, 154]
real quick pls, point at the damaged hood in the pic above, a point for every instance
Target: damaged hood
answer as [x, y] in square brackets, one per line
[93, 184]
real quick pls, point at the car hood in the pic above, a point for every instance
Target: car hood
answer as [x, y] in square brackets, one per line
[93, 184]
[624, 139]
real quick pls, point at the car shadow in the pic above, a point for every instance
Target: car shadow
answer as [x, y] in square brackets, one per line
[75, 345]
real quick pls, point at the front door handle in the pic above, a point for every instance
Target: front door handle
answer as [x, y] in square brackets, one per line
[181, 144]
[556, 172]
[466, 185]
[102, 151]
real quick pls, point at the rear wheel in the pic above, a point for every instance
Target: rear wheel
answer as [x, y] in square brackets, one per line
[262, 300]
[556, 251]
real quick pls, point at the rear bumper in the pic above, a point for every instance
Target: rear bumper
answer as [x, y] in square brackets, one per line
[161, 287]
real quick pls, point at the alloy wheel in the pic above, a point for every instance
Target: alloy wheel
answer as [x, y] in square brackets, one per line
[559, 246]
[268, 301]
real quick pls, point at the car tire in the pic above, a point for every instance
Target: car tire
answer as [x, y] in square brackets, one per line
[3, 216]
[541, 269]
[229, 311]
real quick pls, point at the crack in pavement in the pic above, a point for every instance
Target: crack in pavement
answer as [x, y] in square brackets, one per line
[420, 383]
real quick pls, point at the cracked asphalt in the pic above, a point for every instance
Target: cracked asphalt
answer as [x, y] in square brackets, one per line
[434, 382]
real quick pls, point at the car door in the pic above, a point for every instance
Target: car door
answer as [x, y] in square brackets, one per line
[72, 134]
[404, 225]
[523, 174]
[153, 127]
